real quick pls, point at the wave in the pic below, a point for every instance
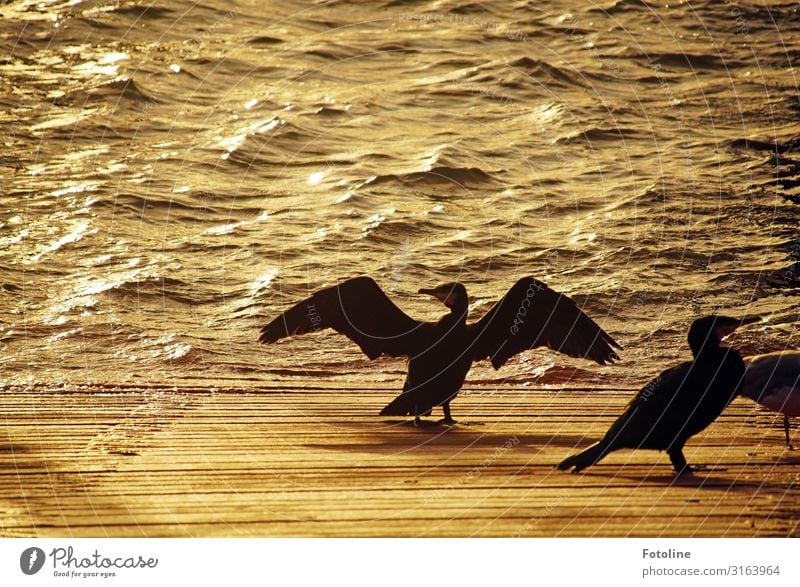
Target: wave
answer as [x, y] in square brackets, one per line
[333, 51]
[472, 8]
[787, 277]
[536, 68]
[111, 91]
[267, 141]
[396, 234]
[329, 111]
[264, 40]
[600, 134]
[196, 206]
[690, 61]
[622, 6]
[144, 11]
[438, 175]
[775, 146]
[396, 48]
[161, 289]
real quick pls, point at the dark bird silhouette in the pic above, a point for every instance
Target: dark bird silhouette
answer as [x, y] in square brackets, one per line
[773, 380]
[440, 354]
[680, 402]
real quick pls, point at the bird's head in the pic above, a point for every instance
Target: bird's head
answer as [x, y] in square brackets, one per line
[452, 295]
[711, 330]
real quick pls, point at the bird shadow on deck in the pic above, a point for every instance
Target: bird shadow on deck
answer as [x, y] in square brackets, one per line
[702, 479]
[457, 438]
[18, 457]
[733, 476]
[788, 460]
[12, 449]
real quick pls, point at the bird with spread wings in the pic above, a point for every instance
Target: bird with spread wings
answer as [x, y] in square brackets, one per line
[441, 353]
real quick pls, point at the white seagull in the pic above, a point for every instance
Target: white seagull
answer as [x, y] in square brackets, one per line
[773, 380]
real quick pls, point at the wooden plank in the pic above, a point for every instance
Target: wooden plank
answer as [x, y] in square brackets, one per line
[284, 461]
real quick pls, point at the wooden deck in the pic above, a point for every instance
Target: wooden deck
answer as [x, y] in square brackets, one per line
[280, 461]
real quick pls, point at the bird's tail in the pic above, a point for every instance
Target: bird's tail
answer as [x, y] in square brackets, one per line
[584, 459]
[399, 406]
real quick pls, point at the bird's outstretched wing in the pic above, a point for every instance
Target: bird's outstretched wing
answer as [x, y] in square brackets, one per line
[532, 315]
[357, 308]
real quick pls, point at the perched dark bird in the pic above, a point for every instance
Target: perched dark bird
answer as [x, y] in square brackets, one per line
[680, 402]
[773, 380]
[440, 354]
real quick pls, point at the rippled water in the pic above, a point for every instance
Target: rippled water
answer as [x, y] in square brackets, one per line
[175, 173]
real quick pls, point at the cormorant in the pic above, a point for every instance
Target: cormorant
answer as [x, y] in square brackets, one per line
[440, 354]
[773, 380]
[680, 402]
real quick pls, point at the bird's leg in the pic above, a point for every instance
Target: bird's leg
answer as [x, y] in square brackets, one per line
[448, 419]
[419, 422]
[786, 429]
[679, 461]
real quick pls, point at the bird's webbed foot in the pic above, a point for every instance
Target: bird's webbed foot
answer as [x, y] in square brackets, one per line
[679, 463]
[448, 418]
[420, 423]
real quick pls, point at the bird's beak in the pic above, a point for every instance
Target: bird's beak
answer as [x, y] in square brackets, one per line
[750, 320]
[435, 292]
[442, 296]
[725, 331]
